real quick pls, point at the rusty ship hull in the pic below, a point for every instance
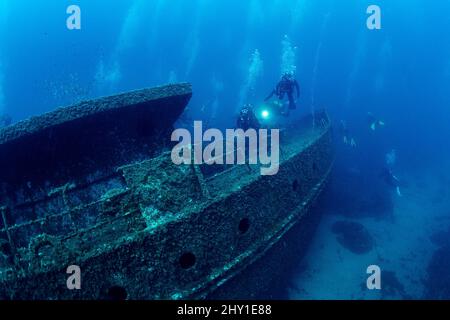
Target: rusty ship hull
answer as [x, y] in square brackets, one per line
[93, 185]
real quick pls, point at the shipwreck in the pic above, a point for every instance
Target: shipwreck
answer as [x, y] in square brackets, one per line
[93, 185]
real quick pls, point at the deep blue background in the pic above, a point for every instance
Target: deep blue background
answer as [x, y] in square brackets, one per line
[401, 73]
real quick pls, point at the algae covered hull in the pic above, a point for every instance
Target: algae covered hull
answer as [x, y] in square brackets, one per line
[93, 185]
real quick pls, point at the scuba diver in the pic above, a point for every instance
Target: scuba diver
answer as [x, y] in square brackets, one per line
[5, 120]
[247, 119]
[391, 158]
[345, 134]
[374, 123]
[286, 86]
[388, 176]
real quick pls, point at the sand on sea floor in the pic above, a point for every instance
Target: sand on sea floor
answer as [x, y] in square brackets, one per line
[402, 245]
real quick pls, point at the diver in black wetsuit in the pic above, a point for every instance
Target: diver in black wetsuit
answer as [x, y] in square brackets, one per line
[286, 86]
[247, 119]
[5, 120]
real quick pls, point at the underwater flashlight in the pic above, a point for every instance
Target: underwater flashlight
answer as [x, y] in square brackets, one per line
[265, 114]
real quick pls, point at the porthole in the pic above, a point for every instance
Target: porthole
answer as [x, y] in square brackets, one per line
[295, 185]
[187, 260]
[244, 225]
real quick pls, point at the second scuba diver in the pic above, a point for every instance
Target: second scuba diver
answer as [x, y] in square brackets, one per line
[286, 87]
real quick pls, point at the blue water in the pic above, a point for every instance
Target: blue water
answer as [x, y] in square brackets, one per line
[234, 52]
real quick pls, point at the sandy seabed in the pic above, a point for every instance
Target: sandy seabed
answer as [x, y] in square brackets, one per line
[402, 247]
